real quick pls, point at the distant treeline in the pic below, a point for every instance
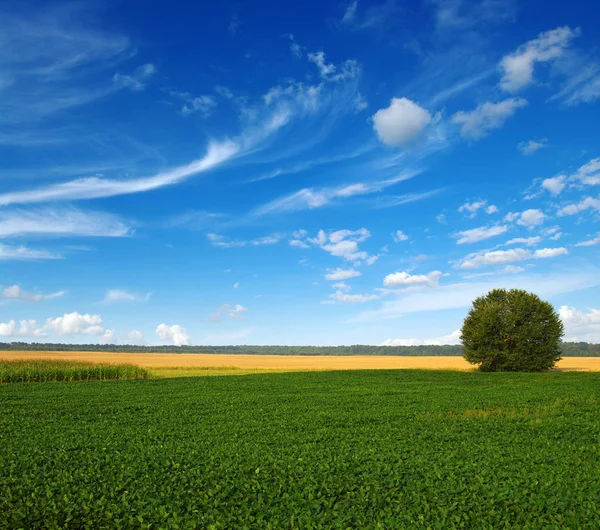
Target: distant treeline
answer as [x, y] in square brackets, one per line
[570, 349]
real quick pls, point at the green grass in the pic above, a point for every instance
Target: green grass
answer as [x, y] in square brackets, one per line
[207, 371]
[364, 449]
[36, 371]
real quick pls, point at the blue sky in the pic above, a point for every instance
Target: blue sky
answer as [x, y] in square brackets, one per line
[278, 173]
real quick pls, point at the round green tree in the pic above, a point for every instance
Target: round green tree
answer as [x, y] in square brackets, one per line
[512, 331]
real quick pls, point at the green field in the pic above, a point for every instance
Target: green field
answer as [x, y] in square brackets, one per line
[364, 449]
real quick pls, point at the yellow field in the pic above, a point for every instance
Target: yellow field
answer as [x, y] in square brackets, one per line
[174, 365]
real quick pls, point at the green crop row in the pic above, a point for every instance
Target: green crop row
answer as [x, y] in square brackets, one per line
[341, 450]
[35, 371]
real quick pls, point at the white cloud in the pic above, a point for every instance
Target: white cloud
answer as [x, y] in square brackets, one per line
[554, 185]
[202, 105]
[441, 218]
[176, 334]
[313, 198]
[329, 72]
[23, 253]
[339, 274]
[25, 328]
[589, 242]
[472, 207]
[404, 279]
[137, 80]
[295, 48]
[586, 92]
[501, 257]
[350, 13]
[236, 285]
[479, 234]
[298, 243]
[461, 295]
[548, 46]
[452, 338]
[61, 222]
[318, 58]
[571, 209]
[341, 286]
[399, 236]
[401, 122]
[529, 218]
[530, 147]
[529, 241]
[343, 244]
[491, 209]
[236, 311]
[96, 187]
[76, 324]
[580, 326]
[134, 337]
[588, 174]
[118, 295]
[15, 292]
[340, 296]
[487, 116]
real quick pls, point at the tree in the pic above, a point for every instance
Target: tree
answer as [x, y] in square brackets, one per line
[512, 331]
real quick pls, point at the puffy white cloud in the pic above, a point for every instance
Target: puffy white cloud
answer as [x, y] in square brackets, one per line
[550, 252]
[487, 116]
[472, 207]
[61, 222]
[479, 234]
[452, 338]
[203, 105]
[501, 257]
[23, 253]
[530, 147]
[580, 326]
[529, 218]
[589, 242]
[492, 208]
[298, 243]
[134, 337]
[548, 46]
[554, 185]
[339, 274]
[118, 295]
[76, 324]
[405, 279]
[403, 121]
[341, 286]
[589, 174]
[399, 235]
[14, 292]
[25, 328]
[342, 243]
[109, 337]
[175, 333]
[529, 241]
[573, 209]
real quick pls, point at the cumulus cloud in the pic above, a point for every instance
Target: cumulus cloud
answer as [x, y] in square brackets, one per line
[401, 122]
[339, 274]
[405, 279]
[479, 234]
[530, 147]
[471, 208]
[588, 203]
[518, 67]
[76, 324]
[346, 298]
[580, 326]
[529, 218]
[298, 243]
[501, 257]
[399, 236]
[339, 243]
[341, 286]
[486, 117]
[134, 337]
[14, 292]
[24, 328]
[554, 185]
[175, 333]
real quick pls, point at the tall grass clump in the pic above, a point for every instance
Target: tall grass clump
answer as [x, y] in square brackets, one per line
[36, 371]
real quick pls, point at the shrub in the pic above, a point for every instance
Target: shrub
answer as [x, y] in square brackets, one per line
[512, 331]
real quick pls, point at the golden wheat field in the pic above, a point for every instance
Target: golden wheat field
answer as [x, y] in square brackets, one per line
[170, 365]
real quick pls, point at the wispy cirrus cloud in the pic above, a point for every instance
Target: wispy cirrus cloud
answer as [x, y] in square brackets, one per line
[14, 292]
[25, 253]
